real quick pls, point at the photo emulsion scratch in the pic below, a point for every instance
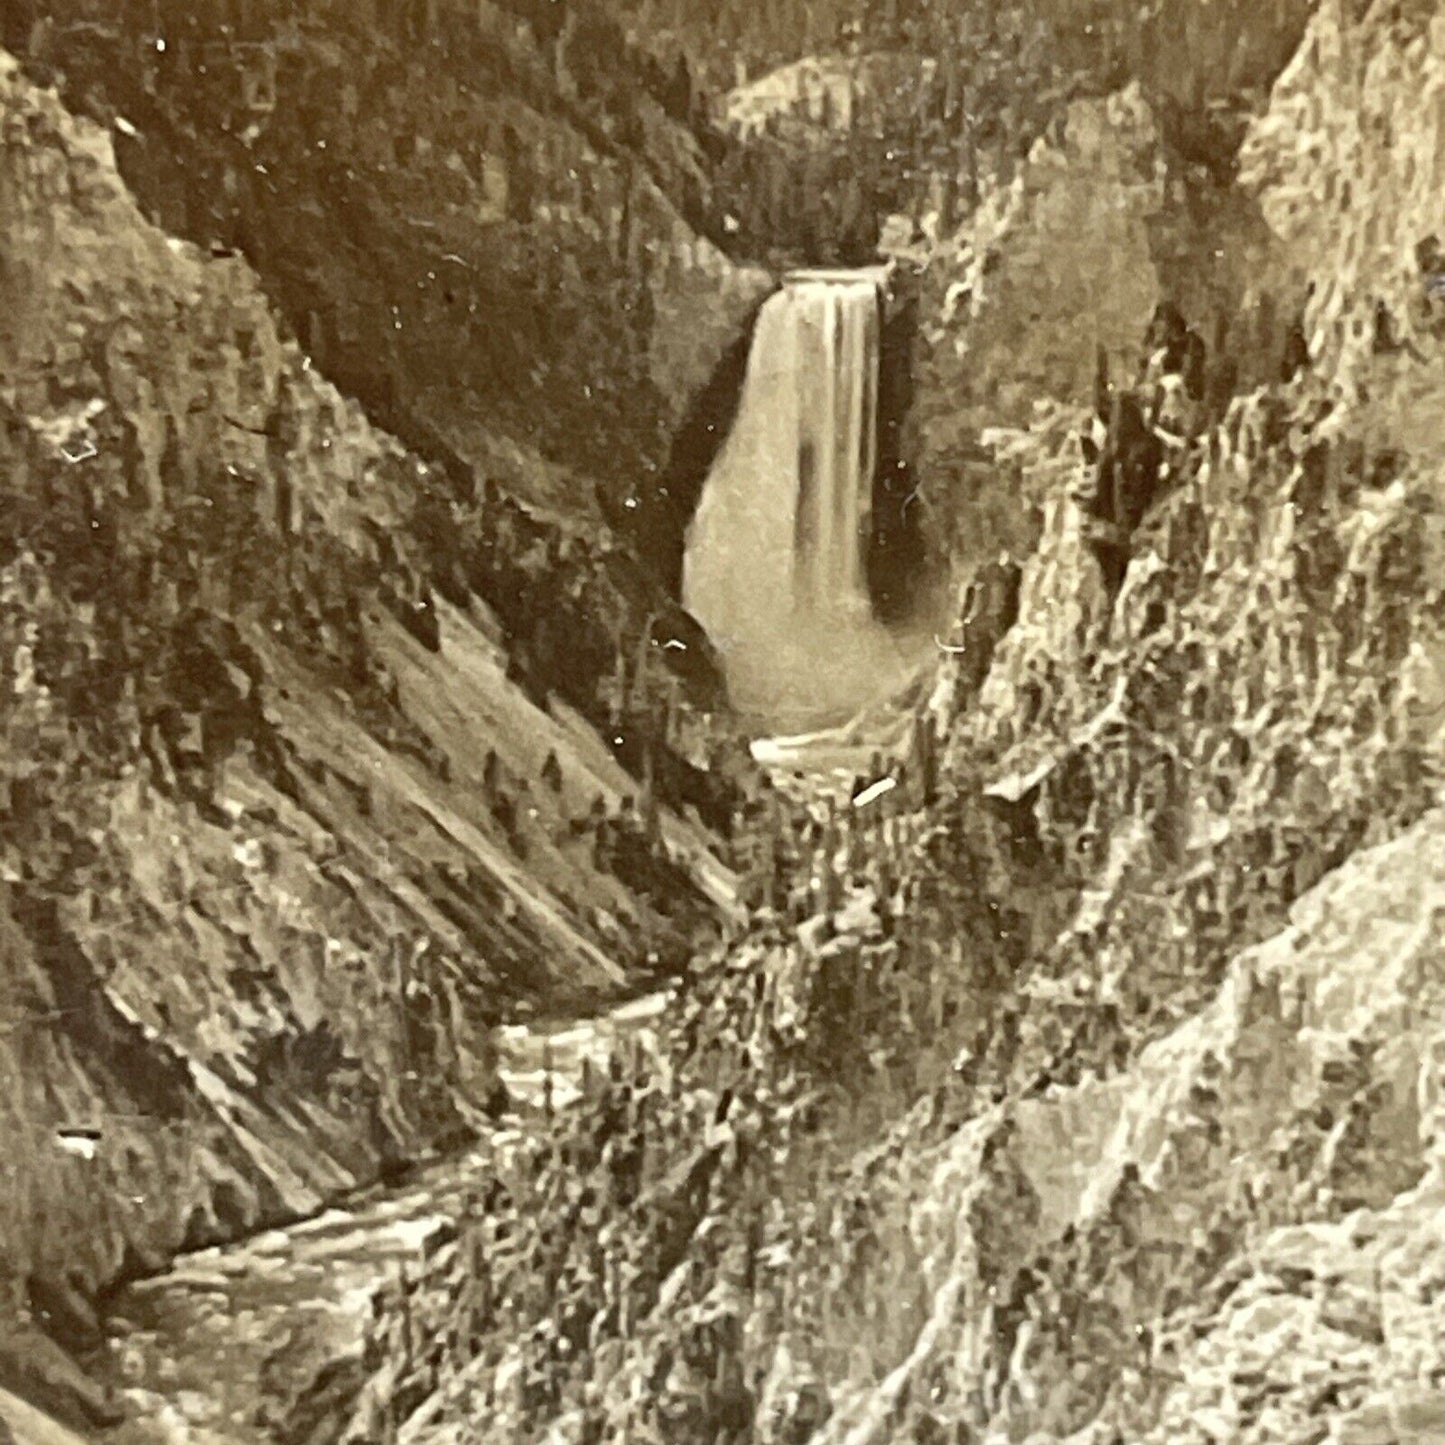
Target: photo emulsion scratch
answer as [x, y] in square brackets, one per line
[722, 722]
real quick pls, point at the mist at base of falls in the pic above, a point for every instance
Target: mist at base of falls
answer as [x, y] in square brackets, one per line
[776, 561]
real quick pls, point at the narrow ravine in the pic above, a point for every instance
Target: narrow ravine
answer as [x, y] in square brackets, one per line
[216, 1349]
[219, 1349]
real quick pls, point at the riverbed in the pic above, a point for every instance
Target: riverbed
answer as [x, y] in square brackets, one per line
[217, 1349]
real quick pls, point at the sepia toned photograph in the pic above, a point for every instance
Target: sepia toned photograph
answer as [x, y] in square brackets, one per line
[722, 722]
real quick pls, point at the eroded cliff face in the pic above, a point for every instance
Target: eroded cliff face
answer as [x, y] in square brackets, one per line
[1057, 274]
[1347, 162]
[1090, 1088]
[290, 816]
[464, 212]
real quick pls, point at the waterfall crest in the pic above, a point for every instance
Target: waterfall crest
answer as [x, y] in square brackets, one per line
[775, 566]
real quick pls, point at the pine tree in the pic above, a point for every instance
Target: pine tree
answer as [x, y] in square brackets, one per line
[678, 96]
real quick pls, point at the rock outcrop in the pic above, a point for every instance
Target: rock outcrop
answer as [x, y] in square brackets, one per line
[1060, 268]
[1347, 163]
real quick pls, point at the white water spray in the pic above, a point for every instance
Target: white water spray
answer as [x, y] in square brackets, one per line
[776, 560]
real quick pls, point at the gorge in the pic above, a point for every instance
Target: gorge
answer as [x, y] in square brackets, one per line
[721, 727]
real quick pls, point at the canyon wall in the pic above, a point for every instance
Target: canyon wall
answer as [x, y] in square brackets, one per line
[289, 817]
[479, 221]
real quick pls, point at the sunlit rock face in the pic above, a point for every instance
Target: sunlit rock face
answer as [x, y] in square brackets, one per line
[1349, 164]
[1066, 262]
[775, 563]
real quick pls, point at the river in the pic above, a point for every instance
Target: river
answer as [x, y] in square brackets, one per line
[208, 1350]
[212, 1351]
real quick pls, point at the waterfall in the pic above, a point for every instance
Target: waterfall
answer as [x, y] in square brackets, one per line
[775, 566]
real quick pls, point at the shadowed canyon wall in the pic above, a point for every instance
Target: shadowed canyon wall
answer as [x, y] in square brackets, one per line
[291, 816]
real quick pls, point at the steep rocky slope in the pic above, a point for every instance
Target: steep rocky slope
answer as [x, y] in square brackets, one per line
[289, 816]
[479, 219]
[1348, 166]
[1059, 272]
[1088, 1086]
[464, 212]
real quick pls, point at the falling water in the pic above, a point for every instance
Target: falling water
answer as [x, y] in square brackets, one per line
[775, 568]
